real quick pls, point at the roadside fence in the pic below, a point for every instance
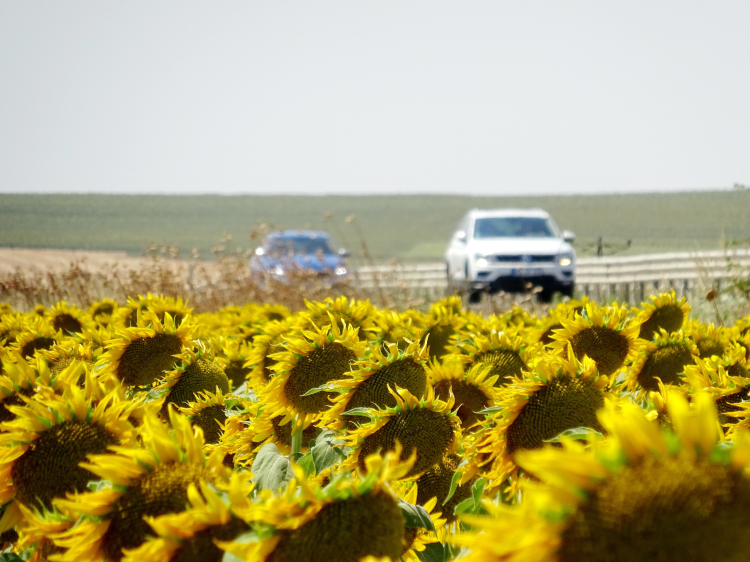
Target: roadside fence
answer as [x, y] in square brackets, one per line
[624, 278]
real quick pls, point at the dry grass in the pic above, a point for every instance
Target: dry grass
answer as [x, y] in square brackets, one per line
[207, 286]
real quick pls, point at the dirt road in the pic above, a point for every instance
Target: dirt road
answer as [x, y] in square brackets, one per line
[55, 260]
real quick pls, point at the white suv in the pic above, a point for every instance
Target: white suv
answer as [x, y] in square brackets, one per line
[506, 249]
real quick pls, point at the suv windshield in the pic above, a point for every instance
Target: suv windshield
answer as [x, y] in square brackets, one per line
[517, 227]
[298, 245]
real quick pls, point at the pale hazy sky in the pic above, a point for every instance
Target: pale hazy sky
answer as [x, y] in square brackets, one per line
[401, 96]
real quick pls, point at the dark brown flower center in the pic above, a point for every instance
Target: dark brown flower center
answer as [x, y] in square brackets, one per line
[663, 509]
[145, 359]
[49, 467]
[317, 368]
[563, 403]
[346, 531]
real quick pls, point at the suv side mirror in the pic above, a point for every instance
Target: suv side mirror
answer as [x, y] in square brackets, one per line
[461, 236]
[343, 252]
[568, 236]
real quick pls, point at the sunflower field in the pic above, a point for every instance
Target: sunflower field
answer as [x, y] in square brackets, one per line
[348, 432]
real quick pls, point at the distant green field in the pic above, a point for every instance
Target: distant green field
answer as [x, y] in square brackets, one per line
[409, 227]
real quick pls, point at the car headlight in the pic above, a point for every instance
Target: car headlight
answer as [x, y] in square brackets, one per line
[565, 259]
[340, 271]
[481, 260]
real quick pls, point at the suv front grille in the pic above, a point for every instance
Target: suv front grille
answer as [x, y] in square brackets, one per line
[525, 259]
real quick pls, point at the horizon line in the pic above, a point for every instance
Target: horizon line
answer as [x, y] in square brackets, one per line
[384, 194]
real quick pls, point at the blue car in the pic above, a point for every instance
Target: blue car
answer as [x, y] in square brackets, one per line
[299, 250]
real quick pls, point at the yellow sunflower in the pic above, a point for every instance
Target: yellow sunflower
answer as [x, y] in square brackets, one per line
[353, 312]
[555, 395]
[21, 379]
[68, 319]
[102, 311]
[148, 481]
[3, 356]
[310, 361]
[125, 316]
[52, 434]
[473, 389]
[11, 325]
[417, 538]
[257, 427]
[192, 534]
[207, 410]
[38, 334]
[383, 368]
[262, 313]
[440, 328]
[724, 378]
[541, 332]
[452, 303]
[742, 326]
[161, 305]
[347, 521]
[644, 494]
[664, 358]
[198, 371]
[435, 485]
[34, 530]
[70, 351]
[389, 326]
[515, 317]
[506, 354]
[709, 339]
[664, 313]
[139, 356]
[233, 354]
[5, 308]
[606, 335]
[427, 428]
[264, 344]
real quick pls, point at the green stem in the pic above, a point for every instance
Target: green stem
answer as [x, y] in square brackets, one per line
[297, 438]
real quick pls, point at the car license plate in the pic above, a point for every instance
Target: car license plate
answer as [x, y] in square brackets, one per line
[526, 272]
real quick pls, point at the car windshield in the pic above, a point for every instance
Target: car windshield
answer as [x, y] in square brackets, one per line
[517, 227]
[299, 245]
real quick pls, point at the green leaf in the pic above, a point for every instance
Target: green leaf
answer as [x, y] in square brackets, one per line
[476, 491]
[491, 411]
[465, 506]
[453, 552]
[473, 504]
[272, 469]
[231, 403]
[325, 453]
[359, 412]
[327, 387]
[584, 433]
[722, 453]
[306, 463]
[454, 485]
[416, 516]
[99, 485]
[433, 552]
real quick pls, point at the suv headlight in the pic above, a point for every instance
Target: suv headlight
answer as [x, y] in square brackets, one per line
[481, 260]
[565, 259]
[340, 270]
